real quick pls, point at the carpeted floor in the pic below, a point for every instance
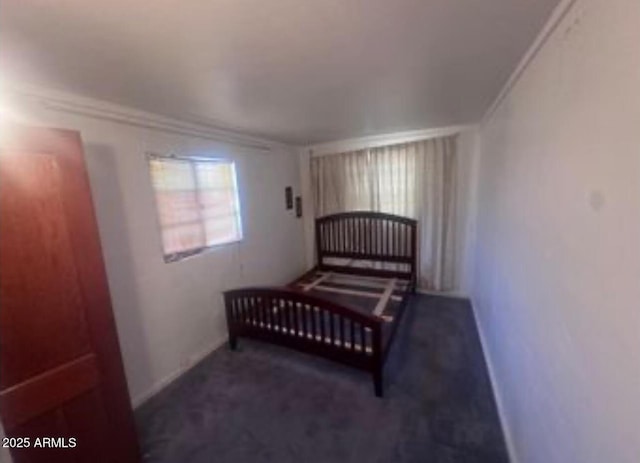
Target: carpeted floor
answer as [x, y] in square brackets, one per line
[268, 404]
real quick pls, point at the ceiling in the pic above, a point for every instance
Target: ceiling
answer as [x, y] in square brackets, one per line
[297, 71]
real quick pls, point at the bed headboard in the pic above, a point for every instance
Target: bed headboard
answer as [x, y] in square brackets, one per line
[386, 241]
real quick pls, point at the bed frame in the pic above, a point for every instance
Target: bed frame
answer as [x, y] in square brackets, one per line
[289, 317]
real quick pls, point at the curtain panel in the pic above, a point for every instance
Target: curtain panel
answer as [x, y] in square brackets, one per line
[416, 179]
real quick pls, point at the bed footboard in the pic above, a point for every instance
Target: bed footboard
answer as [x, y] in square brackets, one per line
[309, 324]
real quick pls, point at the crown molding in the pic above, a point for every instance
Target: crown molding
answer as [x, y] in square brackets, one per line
[541, 39]
[98, 109]
[374, 141]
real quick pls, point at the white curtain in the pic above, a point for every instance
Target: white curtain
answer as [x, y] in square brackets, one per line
[415, 179]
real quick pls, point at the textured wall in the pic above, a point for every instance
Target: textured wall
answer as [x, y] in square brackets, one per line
[169, 315]
[557, 281]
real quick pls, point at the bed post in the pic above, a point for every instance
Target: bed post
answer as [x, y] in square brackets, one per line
[378, 381]
[414, 256]
[233, 339]
[377, 371]
[318, 245]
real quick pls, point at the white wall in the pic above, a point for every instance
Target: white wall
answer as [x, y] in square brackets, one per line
[557, 281]
[465, 200]
[468, 159]
[170, 315]
[304, 164]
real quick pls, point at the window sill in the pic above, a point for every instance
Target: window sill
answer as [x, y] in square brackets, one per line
[181, 256]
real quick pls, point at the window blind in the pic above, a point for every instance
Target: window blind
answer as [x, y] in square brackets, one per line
[197, 204]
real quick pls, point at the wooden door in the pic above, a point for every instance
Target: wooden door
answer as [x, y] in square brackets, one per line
[61, 374]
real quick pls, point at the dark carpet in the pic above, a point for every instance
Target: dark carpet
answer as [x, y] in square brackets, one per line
[268, 404]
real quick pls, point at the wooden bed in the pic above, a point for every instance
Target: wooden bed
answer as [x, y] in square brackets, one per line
[348, 307]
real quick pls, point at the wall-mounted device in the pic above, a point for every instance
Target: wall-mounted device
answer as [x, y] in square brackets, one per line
[288, 196]
[298, 206]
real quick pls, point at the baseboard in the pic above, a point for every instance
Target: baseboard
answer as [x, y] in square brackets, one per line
[508, 436]
[193, 360]
[451, 294]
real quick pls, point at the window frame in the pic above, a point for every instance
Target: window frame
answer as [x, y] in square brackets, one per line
[181, 255]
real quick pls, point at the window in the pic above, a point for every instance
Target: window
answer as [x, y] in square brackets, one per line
[197, 203]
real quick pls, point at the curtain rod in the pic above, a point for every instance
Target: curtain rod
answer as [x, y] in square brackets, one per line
[381, 141]
[180, 157]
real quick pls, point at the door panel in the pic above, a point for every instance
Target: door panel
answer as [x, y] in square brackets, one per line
[42, 275]
[27, 399]
[47, 424]
[91, 440]
[61, 372]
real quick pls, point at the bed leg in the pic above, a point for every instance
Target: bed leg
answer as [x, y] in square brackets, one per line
[378, 382]
[233, 342]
